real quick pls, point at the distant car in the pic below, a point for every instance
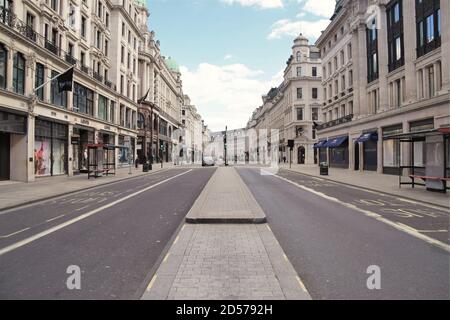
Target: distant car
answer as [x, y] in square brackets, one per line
[208, 162]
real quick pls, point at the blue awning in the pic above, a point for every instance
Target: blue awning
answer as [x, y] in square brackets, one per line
[320, 144]
[368, 136]
[336, 142]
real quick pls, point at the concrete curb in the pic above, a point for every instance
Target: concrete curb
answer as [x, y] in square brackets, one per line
[255, 215]
[162, 281]
[27, 203]
[290, 283]
[366, 188]
[226, 220]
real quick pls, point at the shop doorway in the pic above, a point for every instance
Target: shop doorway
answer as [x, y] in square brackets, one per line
[356, 148]
[4, 156]
[301, 155]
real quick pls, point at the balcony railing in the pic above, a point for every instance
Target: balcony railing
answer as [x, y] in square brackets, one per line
[10, 20]
[335, 122]
[97, 76]
[84, 69]
[71, 59]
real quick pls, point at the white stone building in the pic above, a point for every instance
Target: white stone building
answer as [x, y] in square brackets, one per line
[386, 73]
[49, 136]
[293, 107]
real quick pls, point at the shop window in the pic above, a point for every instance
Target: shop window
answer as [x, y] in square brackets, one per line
[39, 81]
[19, 73]
[3, 65]
[57, 98]
[102, 108]
[83, 99]
[50, 152]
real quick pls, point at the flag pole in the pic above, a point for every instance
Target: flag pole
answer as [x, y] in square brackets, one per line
[52, 79]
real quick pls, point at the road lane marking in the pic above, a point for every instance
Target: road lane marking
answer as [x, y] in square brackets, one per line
[82, 208]
[370, 191]
[150, 285]
[166, 258]
[411, 231]
[55, 218]
[14, 233]
[83, 216]
[301, 284]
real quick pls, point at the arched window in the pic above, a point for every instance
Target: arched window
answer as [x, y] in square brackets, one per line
[3, 65]
[19, 73]
[141, 121]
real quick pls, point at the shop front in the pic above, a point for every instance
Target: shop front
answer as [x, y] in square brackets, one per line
[126, 151]
[370, 150]
[391, 150]
[50, 148]
[321, 150]
[338, 152]
[13, 128]
[81, 138]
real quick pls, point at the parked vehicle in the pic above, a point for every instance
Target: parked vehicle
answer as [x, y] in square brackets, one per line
[208, 162]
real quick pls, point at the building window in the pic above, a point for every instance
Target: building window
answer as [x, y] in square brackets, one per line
[315, 114]
[3, 66]
[395, 35]
[299, 93]
[314, 71]
[299, 56]
[428, 25]
[83, 99]
[83, 27]
[102, 108]
[299, 71]
[39, 81]
[299, 114]
[19, 73]
[372, 52]
[112, 111]
[314, 93]
[122, 54]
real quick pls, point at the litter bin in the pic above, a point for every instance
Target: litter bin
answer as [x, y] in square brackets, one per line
[146, 167]
[324, 169]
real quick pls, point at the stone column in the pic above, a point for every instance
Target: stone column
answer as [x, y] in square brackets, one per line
[47, 87]
[361, 72]
[445, 47]
[70, 151]
[9, 68]
[380, 151]
[383, 61]
[409, 40]
[30, 176]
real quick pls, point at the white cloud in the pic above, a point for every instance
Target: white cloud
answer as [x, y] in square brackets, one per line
[264, 4]
[226, 95]
[310, 29]
[228, 57]
[322, 8]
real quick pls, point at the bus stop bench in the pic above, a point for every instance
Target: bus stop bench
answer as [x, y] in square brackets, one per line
[425, 178]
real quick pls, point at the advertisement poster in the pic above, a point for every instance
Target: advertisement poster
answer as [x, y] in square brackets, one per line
[42, 157]
[435, 162]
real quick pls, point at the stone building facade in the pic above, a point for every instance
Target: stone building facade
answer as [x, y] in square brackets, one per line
[385, 72]
[293, 107]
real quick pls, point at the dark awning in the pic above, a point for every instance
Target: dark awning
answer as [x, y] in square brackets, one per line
[368, 136]
[336, 142]
[320, 144]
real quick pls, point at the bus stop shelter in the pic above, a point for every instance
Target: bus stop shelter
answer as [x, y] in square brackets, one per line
[432, 170]
[101, 160]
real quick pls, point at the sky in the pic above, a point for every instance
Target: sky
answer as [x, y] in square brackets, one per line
[231, 52]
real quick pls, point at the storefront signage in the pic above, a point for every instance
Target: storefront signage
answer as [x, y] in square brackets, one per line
[12, 123]
[75, 140]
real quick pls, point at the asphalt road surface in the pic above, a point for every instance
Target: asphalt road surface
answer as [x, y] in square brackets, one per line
[333, 233]
[115, 234]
